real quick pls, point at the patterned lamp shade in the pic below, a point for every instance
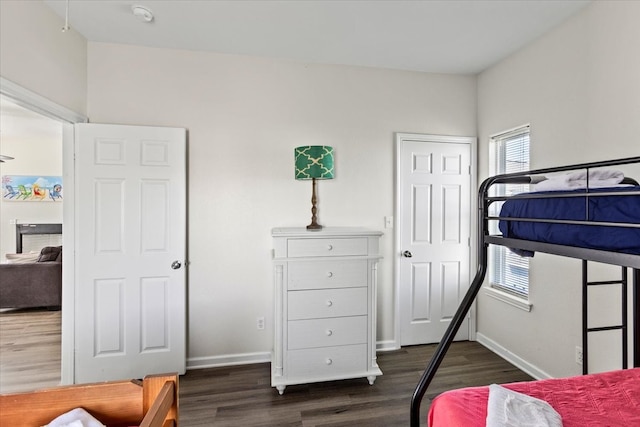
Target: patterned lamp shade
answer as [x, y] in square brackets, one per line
[314, 161]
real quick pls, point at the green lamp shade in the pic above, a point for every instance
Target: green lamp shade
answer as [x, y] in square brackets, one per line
[314, 161]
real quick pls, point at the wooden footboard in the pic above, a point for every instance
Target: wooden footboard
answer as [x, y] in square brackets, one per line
[150, 403]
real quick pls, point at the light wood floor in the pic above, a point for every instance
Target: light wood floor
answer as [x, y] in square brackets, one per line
[243, 396]
[29, 350]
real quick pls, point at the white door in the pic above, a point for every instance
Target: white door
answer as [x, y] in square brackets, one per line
[130, 307]
[434, 211]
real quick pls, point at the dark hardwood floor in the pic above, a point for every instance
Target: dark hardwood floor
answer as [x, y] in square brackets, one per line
[242, 395]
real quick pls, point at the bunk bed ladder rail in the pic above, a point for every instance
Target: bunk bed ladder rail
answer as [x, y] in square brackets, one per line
[443, 346]
[636, 317]
[463, 308]
[622, 327]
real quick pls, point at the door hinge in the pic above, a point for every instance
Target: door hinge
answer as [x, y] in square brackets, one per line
[469, 169]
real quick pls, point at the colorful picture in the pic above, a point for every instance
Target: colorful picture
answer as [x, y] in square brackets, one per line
[29, 188]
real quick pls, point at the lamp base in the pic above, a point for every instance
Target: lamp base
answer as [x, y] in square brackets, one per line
[314, 226]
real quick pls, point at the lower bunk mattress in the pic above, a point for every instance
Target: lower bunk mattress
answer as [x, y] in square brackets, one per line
[610, 399]
[623, 209]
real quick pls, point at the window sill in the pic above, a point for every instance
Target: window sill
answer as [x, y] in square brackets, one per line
[507, 298]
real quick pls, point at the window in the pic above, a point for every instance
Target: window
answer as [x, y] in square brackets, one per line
[509, 272]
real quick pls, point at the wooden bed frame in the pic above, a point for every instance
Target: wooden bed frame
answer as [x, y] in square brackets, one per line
[485, 239]
[152, 402]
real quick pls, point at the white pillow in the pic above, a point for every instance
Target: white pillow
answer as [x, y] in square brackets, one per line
[508, 408]
[22, 258]
[75, 418]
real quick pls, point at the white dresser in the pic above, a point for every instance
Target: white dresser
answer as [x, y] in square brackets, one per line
[325, 305]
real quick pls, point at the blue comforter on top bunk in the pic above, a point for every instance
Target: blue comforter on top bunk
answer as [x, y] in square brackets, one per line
[613, 208]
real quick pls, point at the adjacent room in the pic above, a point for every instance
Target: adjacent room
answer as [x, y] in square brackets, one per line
[31, 212]
[278, 201]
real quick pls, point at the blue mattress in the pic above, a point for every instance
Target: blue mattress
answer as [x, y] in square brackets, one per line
[621, 209]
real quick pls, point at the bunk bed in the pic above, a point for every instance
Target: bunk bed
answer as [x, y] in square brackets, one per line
[152, 402]
[512, 220]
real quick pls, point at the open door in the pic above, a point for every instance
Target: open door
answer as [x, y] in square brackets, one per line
[130, 281]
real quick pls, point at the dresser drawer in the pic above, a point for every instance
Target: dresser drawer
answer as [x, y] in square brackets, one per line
[326, 247]
[327, 332]
[326, 303]
[326, 363]
[327, 274]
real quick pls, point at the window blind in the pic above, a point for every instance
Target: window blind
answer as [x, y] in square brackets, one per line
[507, 271]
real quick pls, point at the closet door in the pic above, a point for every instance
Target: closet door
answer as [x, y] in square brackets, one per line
[434, 211]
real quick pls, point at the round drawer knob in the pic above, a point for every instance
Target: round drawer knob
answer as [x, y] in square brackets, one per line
[329, 332]
[329, 247]
[329, 303]
[329, 361]
[329, 274]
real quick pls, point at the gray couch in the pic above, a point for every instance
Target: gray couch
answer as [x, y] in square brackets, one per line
[37, 284]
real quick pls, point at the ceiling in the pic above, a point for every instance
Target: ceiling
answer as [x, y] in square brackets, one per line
[439, 36]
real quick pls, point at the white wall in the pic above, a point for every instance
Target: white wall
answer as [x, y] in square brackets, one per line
[35, 142]
[245, 115]
[579, 87]
[37, 55]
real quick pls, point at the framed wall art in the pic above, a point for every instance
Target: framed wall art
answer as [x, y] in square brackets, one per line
[31, 188]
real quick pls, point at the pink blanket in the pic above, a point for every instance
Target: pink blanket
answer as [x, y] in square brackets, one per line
[610, 399]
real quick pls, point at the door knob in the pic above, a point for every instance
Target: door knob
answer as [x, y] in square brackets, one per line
[176, 265]
[407, 254]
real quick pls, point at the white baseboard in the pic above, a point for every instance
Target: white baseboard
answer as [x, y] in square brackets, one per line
[514, 359]
[227, 360]
[387, 346]
[249, 358]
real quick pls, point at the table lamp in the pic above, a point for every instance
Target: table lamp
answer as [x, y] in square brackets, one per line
[314, 162]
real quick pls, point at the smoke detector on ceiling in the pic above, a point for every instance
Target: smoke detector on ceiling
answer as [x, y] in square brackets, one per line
[142, 13]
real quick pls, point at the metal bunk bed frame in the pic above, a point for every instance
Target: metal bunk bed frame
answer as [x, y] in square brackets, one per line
[484, 239]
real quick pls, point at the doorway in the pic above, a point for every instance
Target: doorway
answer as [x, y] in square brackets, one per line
[66, 118]
[156, 155]
[30, 344]
[433, 237]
